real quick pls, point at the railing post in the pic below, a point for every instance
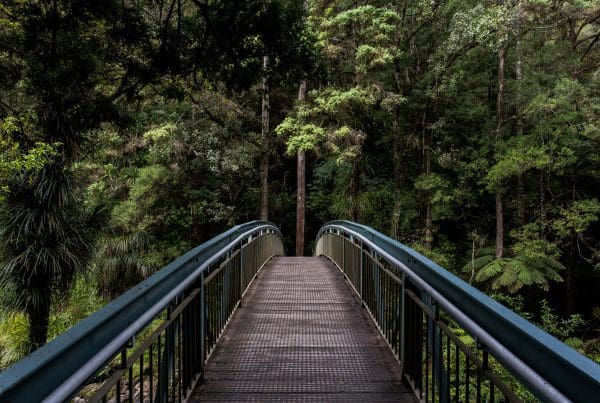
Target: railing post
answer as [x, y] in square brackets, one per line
[438, 358]
[379, 297]
[241, 273]
[361, 291]
[164, 370]
[352, 266]
[343, 254]
[202, 325]
[402, 320]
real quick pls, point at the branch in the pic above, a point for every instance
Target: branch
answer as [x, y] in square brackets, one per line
[585, 23]
[583, 70]
[170, 14]
[591, 46]
[4, 10]
[579, 42]
[208, 113]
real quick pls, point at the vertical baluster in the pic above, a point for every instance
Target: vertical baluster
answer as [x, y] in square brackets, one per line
[479, 376]
[467, 380]
[202, 303]
[448, 369]
[457, 373]
[142, 377]
[179, 358]
[172, 360]
[171, 357]
[426, 346]
[386, 304]
[159, 369]
[434, 359]
[151, 369]
[480, 372]
[130, 385]
[118, 395]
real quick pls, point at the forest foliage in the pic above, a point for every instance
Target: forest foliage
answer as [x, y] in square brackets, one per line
[130, 131]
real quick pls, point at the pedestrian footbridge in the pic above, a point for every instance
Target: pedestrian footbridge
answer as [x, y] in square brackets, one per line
[365, 319]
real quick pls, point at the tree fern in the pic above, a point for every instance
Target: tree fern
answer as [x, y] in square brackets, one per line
[513, 273]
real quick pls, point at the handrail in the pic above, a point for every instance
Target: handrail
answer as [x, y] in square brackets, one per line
[552, 369]
[56, 370]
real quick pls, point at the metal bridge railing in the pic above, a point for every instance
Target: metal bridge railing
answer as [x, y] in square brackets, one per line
[152, 342]
[454, 342]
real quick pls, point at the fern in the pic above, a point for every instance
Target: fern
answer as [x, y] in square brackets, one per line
[513, 273]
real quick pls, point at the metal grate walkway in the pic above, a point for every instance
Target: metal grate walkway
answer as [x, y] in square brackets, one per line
[301, 334]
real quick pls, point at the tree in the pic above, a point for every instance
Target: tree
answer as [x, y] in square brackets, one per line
[265, 143]
[61, 48]
[300, 186]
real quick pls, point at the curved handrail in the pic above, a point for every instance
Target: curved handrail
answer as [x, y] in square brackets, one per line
[57, 369]
[559, 371]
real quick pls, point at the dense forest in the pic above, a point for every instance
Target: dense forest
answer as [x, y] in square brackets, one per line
[131, 131]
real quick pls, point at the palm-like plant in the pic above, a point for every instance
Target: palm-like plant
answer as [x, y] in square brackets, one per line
[120, 263]
[45, 239]
[513, 273]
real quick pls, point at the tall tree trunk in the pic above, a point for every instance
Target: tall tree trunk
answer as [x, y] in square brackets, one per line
[398, 160]
[542, 186]
[265, 140]
[354, 189]
[569, 269]
[568, 277]
[499, 225]
[499, 117]
[398, 181]
[426, 152]
[39, 317]
[428, 212]
[300, 186]
[519, 112]
[501, 88]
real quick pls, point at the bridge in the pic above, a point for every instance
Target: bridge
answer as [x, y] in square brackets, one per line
[366, 318]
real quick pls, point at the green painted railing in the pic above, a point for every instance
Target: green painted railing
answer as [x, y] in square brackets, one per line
[150, 343]
[454, 342]
[425, 312]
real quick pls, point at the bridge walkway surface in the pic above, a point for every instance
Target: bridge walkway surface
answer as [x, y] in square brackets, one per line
[301, 334]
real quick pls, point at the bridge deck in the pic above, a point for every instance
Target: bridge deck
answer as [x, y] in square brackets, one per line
[301, 334]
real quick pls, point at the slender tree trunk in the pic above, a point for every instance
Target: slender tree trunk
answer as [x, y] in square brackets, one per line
[354, 190]
[499, 117]
[520, 202]
[428, 224]
[519, 111]
[398, 179]
[265, 137]
[301, 186]
[39, 317]
[501, 88]
[428, 212]
[542, 185]
[568, 276]
[398, 161]
[499, 225]
[425, 147]
[519, 79]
